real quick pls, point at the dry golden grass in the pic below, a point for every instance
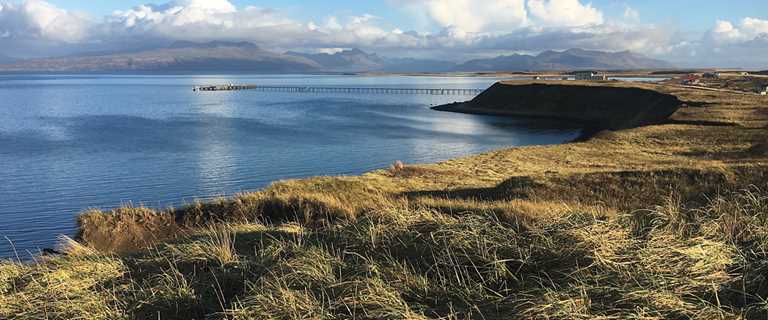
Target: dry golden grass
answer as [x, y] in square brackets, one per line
[418, 261]
[647, 223]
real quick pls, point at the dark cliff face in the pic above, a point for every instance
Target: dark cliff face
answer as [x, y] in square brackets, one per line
[606, 107]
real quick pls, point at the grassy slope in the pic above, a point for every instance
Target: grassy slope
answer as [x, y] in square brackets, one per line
[653, 222]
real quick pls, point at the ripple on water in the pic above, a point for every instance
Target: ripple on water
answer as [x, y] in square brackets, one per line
[68, 143]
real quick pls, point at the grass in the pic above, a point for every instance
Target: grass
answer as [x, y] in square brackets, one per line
[658, 222]
[413, 261]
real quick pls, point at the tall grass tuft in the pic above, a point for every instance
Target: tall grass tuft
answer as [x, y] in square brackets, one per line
[220, 245]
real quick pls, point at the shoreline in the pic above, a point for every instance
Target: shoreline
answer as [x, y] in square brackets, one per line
[588, 128]
[276, 201]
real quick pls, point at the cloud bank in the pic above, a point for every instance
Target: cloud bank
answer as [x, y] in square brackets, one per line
[36, 19]
[468, 28]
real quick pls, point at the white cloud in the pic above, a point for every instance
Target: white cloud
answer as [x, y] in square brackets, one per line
[748, 29]
[217, 6]
[332, 23]
[477, 15]
[171, 19]
[471, 20]
[755, 26]
[607, 37]
[725, 31]
[564, 13]
[468, 28]
[740, 44]
[631, 14]
[39, 19]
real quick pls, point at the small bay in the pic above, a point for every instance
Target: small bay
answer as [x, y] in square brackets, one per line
[69, 143]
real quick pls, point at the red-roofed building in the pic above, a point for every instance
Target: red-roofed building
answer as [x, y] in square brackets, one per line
[690, 79]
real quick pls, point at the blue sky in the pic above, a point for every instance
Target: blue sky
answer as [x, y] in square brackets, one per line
[687, 32]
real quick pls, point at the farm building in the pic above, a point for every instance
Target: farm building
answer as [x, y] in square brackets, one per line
[589, 76]
[712, 75]
[762, 89]
[690, 80]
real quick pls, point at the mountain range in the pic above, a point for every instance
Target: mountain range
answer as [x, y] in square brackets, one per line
[6, 59]
[178, 57]
[245, 57]
[356, 60]
[566, 60]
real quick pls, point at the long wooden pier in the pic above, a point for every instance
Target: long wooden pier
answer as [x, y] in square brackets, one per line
[348, 90]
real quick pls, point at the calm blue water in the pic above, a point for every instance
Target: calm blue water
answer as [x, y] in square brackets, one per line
[68, 143]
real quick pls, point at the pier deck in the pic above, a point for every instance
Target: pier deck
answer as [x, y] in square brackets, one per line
[347, 90]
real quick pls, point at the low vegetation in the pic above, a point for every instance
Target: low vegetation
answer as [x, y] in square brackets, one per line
[438, 259]
[657, 222]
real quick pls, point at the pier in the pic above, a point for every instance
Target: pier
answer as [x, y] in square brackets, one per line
[343, 90]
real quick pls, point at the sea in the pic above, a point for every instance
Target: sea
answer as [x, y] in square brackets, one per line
[69, 143]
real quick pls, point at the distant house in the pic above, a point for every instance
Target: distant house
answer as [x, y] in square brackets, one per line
[537, 78]
[690, 80]
[744, 73]
[762, 89]
[589, 76]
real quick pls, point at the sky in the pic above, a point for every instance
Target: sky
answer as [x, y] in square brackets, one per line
[686, 32]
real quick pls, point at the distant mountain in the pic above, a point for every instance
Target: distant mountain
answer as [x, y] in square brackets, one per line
[6, 59]
[344, 61]
[516, 62]
[356, 60]
[246, 57]
[418, 65]
[213, 45]
[237, 57]
[566, 60]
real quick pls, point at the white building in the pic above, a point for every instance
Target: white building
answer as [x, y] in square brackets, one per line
[589, 76]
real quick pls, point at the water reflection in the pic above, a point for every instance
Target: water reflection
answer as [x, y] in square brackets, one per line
[70, 143]
[215, 137]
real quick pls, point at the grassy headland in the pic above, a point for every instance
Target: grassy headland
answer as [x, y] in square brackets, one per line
[661, 221]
